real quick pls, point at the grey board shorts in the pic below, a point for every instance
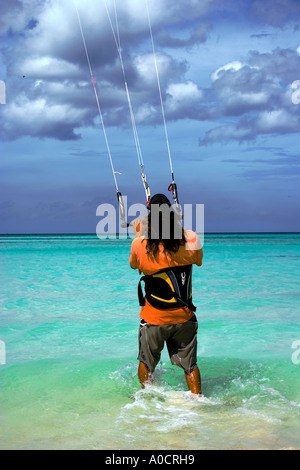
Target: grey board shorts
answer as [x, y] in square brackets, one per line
[181, 340]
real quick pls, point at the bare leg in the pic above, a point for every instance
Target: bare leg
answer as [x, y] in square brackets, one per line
[144, 374]
[194, 381]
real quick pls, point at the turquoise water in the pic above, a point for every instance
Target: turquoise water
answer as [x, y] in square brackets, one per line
[69, 321]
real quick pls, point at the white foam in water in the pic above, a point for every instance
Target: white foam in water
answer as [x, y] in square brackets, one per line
[164, 410]
[181, 419]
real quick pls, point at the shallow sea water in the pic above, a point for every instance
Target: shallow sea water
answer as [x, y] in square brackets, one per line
[69, 321]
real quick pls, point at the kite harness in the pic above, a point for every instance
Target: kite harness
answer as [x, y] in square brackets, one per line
[168, 288]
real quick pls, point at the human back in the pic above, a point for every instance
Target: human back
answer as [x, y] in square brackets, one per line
[152, 252]
[188, 253]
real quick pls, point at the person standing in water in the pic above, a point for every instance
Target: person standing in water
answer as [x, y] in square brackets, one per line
[165, 253]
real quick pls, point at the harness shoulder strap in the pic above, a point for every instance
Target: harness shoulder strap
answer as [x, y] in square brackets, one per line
[140, 292]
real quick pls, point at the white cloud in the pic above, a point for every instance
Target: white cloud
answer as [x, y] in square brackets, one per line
[225, 134]
[182, 95]
[274, 121]
[188, 91]
[145, 66]
[145, 113]
[232, 66]
[265, 123]
[49, 68]
[239, 101]
[41, 119]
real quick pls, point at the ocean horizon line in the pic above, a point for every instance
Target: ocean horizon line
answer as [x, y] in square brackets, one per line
[87, 234]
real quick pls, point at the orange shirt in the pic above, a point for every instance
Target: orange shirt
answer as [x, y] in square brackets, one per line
[190, 253]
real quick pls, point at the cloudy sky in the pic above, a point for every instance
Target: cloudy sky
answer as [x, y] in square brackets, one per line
[227, 71]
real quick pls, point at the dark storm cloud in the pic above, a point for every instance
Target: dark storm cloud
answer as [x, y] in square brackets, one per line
[266, 163]
[56, 99]
[277, 122]
[276, 13]
[198, 35]
[271, 159]
[17, 16]
[258, 93]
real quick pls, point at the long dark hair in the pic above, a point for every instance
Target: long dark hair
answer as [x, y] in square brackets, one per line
[164, 226]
